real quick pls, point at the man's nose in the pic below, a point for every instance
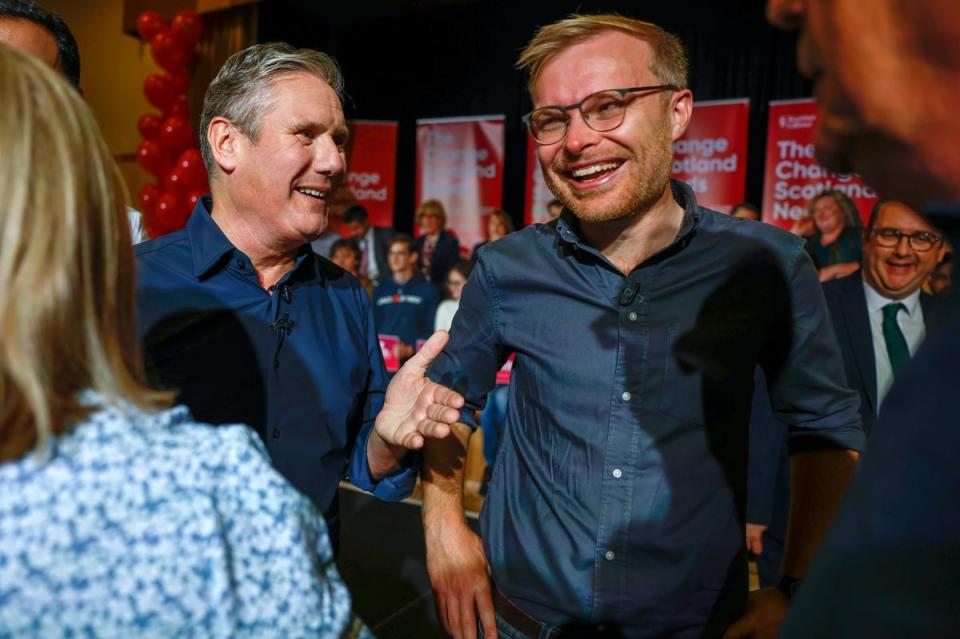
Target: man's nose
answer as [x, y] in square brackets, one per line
[328, 157]
[579, 134]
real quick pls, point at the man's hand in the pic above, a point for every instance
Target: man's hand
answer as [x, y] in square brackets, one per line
[414, 406]
[764, 613]
[460, 577]
[755, 538]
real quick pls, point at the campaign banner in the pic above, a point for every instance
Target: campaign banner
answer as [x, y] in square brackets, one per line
[792, 176]
[537, 194]
[503, 375]
[388, 348]
[711, 156]
[460, 163]
[371, 172]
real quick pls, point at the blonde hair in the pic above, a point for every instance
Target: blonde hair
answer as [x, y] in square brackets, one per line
[668, 62]
[434, 207]
[67, 320]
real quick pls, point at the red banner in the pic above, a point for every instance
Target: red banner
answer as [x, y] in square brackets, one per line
[371, 173]
[460, 163]
[712, 154]
[537, 193]
[792, 177]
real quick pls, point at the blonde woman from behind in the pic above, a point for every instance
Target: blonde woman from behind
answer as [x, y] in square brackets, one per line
[120, 516]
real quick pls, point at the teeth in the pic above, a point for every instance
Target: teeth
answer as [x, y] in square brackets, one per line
[594, 168]
[311, 192]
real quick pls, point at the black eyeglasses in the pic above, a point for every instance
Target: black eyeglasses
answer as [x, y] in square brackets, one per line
[921, 241]
[602, 111]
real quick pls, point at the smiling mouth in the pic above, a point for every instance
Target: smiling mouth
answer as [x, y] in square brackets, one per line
[314, 193]
[593, 172]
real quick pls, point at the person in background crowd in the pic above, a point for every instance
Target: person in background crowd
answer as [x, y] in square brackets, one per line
[637, 320]
[835, 241]
[880, 317]
[438, 249]
[456, 278]
[499, 225]
[554, 208]
[121, 516]
[249, 325]
[745, 210]
[939, 282]
[372, 241]
[887, 80]
[345, 254]
[405, 304]
[26, 26]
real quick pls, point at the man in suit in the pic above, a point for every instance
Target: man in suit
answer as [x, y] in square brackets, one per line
[373, 241]
[880, 316]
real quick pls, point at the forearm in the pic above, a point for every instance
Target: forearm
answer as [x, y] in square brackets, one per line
[818, 481]
[442, 479]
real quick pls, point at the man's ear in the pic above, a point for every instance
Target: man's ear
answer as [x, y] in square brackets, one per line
[681, 109]
[226, 143]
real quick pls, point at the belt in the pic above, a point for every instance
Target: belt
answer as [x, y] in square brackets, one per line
[520, 620]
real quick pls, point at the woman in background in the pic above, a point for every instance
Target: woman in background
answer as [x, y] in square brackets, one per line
[456, 278]
[120, 516]
[499, 225]
[836, 242]
[438, 249]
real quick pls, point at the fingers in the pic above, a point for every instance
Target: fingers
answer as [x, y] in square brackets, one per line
[443, 414]
[468, 621]
[445, 396]
[431, 429]
[421, 361]
[453, 617]
[485, 610]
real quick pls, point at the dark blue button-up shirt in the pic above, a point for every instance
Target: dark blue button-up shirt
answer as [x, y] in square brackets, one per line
[301, 366]
[619, 488]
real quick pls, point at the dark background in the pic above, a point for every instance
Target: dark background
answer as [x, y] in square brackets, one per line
[409, 59]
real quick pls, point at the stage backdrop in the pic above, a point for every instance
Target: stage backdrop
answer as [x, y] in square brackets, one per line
[460, 163]
[712, 154]
[371, 172]
[792, 176]
[537, 195]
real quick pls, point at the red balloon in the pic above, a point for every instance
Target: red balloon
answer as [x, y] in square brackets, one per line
[178, 107]
[179, 80]
[169, 53]
[149, 24]
[149, 125]
[190, 164]
[194, 196]
[187, 27]
[159, 91]
[153, 230]
[171, 211]
[152, 157]
[176, 134]
[149, 195]
[175, 182]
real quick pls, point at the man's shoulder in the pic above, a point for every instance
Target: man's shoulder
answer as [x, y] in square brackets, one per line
[169, 247]
[842, 285]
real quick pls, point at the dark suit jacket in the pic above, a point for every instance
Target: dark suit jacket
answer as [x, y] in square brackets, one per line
[848, 310]
[381, 245]
[445, 255]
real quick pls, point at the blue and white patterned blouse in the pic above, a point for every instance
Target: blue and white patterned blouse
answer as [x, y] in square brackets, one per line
[141, 524]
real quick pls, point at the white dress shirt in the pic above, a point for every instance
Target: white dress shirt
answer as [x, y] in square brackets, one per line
[911, 323]
[137, 232]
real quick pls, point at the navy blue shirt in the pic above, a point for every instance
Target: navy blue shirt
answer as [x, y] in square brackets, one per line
[302, 366]
[619, 488]
[405, 310]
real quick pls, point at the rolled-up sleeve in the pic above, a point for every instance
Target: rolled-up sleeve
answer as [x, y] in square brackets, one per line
[805, 374]
[470, 362]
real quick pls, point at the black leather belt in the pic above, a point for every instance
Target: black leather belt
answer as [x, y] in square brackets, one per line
[520, 620]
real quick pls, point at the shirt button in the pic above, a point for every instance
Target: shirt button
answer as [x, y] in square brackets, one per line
[626, 396]
[276, 433]
[632, 316]
[617, 473]
[240, 264]
[609, 556]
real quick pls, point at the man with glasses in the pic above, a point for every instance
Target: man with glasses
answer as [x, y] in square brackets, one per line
[637, 319]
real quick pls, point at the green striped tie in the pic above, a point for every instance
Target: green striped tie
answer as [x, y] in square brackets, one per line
[893, 336]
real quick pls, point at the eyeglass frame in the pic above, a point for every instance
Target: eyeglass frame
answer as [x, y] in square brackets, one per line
[526, 118]
[875, 232]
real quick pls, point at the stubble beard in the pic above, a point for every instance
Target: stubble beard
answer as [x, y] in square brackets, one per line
[652, 170]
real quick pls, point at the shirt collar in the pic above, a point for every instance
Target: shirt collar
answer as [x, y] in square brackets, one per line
[876, 301]
[209, 245]
[568, 226]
